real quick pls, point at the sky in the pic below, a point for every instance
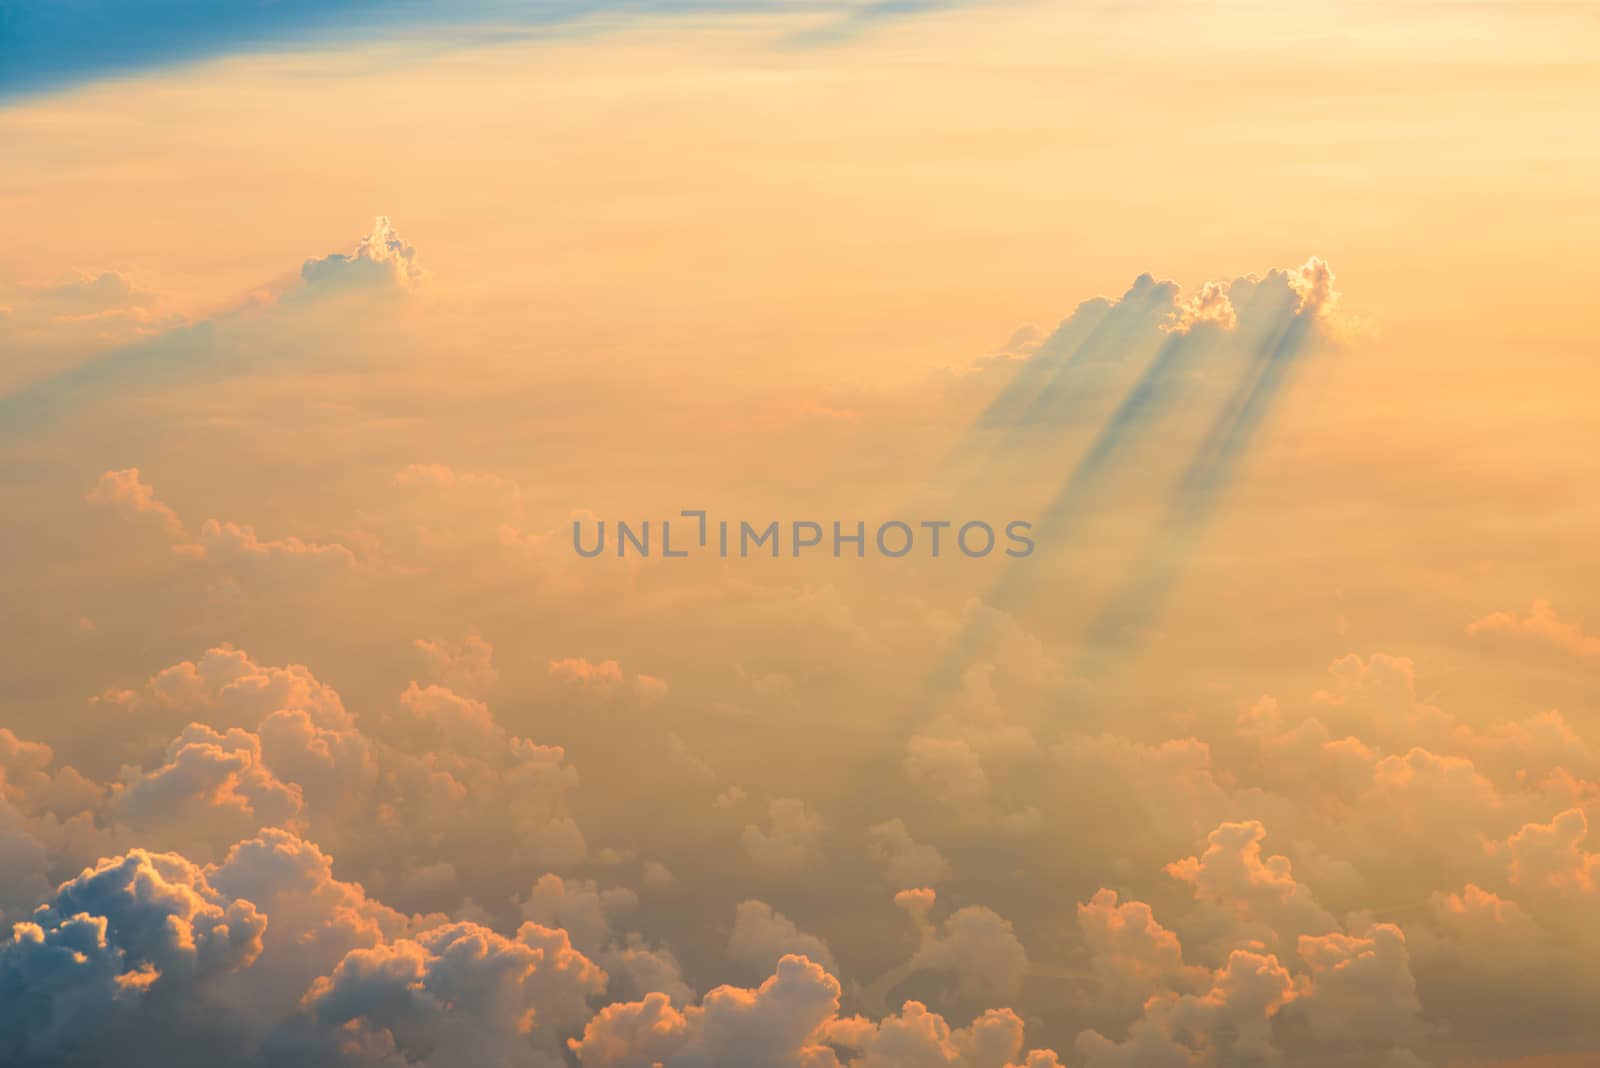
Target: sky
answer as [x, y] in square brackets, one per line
[1212, 683]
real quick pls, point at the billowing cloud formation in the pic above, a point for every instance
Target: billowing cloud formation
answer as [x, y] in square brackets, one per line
[762, 937]
[606, 678]
[226, 543]
[791, 839]
[1541, 623]
[466, 667]
[411, 871]
[1233, 873]
[247, 922]
[459, 994]
[592, 918]
[1133, 955]
[137, 927]
[908, 863]
[380, 259]
[1210, 305]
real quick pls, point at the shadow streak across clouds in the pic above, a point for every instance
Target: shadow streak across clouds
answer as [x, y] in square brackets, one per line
[1200, 490]
[1269, 322]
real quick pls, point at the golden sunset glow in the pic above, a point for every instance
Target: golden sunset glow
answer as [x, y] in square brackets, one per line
[800, 534]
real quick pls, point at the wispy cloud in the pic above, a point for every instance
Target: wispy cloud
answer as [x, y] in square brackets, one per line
[47, 46]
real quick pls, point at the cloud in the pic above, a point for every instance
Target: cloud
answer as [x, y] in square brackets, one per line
[437, 718]
[61, 377]
[777, 1025]
[591, 917]
[1359, 988]
[918, 1038]
[314, 918]
[1482, 938]
[762, 937]
[237, 544]
[1280, 317]
[135, 928]
[1233, 873]
[979, 950]
[1542, 624]
[466, 666]
[907, 862]
[47, 329]
[1210, 305]
[380, 260]
[1228, 352]
[339, 975]
[1229, 1023]
[24, 864]
[606, 678]
[1551, 855]
[210, 789]
[791, 840]
[29, 780]
[437, 805]
[131, 495]
[951, 769]
[577, 669]
[1133, 955]
[223, 542]
[432, 780]
[335, 769]
[580, 908]
[460, 995]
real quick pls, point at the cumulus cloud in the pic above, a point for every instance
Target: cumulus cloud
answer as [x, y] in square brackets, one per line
[777, 1025]
[230, 689]
[466, 666]
[1229, 1022]
[918, 1038]
[379, 260]
[429, 784]
[762, 936]
[1356, 992]
[979, 950]
[460, 995]
[130, 494]
[606, 678]
[1312, 283]
[1551, 855]
[1359, 988]
[335, 973]
[444, 809]
[907, 862]
[315, 918]
[224, 542]
[1210, 305]
[135, 928]
[792, 1021]
[1542, 624]
[24, 864]
[209, 790]
[1479, 934]
[581, 908]
[1133, 956]
[1233, 873]
[791, 838]
[951, 770]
